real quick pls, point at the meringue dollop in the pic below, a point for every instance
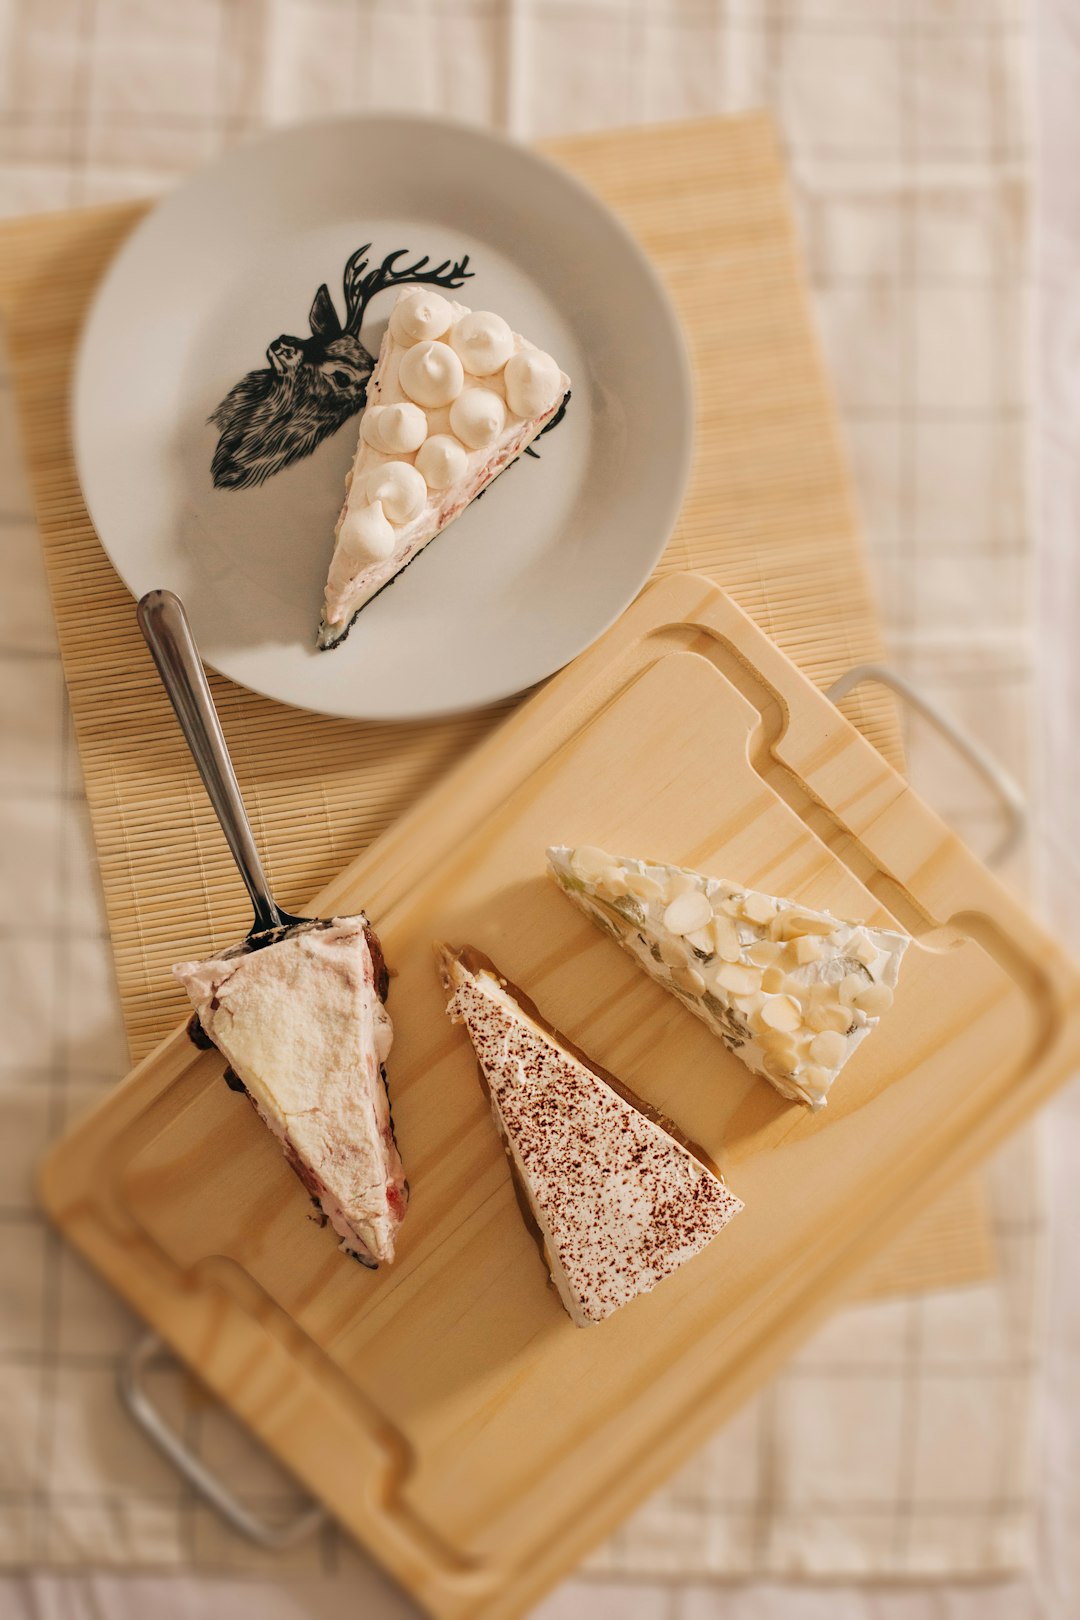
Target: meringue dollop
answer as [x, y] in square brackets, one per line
[394, 429]
[397, 489]
[431, 373]
[418, 314]
[478, 416]
[482, 341]
[442, 460]
[367, 534]
[533, 382]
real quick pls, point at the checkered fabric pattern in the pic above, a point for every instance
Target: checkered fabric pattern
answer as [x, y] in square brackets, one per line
[898, 1443]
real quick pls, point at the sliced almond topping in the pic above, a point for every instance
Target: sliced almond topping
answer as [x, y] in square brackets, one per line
[781, 1012]
[773, 979]
[737, 978]
[779, 1044]
[777, 1066]
[731, 905]
[759, 908]
[673, 952]
[682, 883]
[828, 1015]
[726, 938]
[689, 979]
[850, 987]
[702, 940]
[795, 924]
[590, 863]
[749, 1005]
[612, 881]
[643, 887]
[815, 1083]
[874, 999]
[864, 950]
[809, 948]
[828, 1048]
[687, 912]
[765, 951]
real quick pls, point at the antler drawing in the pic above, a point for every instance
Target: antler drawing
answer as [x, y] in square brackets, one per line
[311, 385]
[360, 289]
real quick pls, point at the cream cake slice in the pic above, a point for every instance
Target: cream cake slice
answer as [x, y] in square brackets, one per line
[301, 1023]
[619, 1202]
[792, 990]
[455, 396]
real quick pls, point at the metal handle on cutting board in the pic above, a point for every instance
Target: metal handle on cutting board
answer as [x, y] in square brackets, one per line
[135, 1398]
[165, 626]
[1003, 784]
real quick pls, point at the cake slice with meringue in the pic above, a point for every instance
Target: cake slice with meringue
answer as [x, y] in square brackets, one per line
[455, 396]
[299, 1016]
[790, 989]
[618, 1200]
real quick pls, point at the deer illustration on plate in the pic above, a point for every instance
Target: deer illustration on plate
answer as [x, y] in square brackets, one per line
[281, 412]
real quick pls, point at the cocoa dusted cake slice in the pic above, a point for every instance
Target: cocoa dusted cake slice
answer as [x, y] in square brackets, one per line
[455, 397]
[619, 1201]
[302, 1025]
[790, 989]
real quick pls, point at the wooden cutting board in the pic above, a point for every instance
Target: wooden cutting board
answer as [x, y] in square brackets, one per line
[445, 1409]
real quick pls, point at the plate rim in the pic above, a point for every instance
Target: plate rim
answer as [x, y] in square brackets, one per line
[341, 124]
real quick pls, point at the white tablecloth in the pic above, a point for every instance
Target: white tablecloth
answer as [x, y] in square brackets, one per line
[84, 123]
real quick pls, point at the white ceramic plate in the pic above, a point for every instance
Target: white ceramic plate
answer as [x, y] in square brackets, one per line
[230, 264]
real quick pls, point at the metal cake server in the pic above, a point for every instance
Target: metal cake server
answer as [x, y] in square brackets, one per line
[168, 635]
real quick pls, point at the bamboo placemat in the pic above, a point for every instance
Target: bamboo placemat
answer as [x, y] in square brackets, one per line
[769, 515]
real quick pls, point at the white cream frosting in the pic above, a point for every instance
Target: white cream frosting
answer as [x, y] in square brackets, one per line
[367, 534]
[442, 460]
[533, 382]
[620, 1204]
[398, 488]
[301, 1024]
[418, 314]
[397, 430]
[477, 417]
[431, 373]
[483, 342]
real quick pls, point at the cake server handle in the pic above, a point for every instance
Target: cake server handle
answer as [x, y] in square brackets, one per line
[165, 626]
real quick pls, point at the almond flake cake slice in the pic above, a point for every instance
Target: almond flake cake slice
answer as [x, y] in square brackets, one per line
[620, 1203]
[792, 990]
[301, 1022]
[455, 396]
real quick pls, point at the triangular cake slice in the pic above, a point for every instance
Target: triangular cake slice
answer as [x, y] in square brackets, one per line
[792, 990]
[302, 1025]
[620, 1203]
[455, 396]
